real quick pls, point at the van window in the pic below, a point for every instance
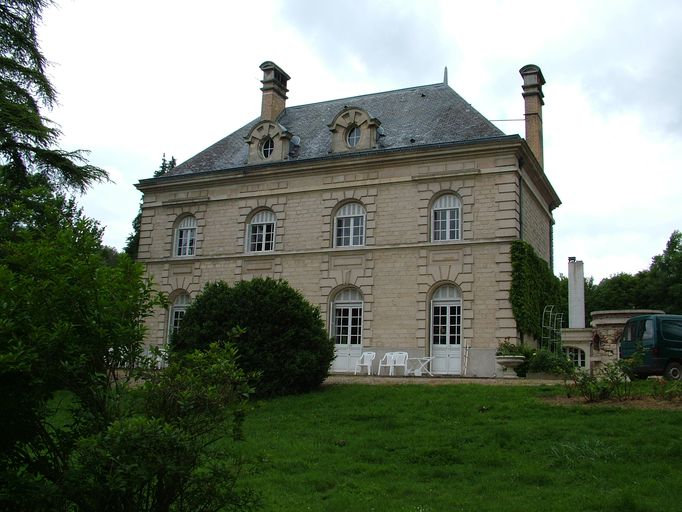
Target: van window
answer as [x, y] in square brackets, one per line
[648, 333]
[629, 331]
[671, 330]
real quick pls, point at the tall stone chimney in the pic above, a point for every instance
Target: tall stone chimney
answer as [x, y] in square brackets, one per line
[576, 294]
[274, 91]
[532, 94]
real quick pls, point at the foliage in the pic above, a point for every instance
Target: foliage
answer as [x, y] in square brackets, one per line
[613, 380]
[133, 241]
[658, 287]
[533, 287]
[27, 138]
[546, 361]
[620, 291]
[507, 348]
[664, 389]
[160, 454]
[284, 337]
[663, 283]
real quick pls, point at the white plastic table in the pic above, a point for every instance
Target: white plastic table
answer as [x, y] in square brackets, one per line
[419, 365]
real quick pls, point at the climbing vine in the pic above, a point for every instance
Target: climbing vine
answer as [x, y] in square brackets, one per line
[533, 287]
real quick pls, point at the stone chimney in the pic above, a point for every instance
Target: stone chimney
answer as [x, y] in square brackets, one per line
[576, 294]
[532, 94]
[274, 91]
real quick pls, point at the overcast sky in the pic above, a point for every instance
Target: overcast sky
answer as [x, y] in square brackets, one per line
[140, 78]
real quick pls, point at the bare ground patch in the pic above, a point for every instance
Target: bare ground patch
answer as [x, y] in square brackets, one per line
[644, 402]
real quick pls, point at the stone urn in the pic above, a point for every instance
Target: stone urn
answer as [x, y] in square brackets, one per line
[509, 364]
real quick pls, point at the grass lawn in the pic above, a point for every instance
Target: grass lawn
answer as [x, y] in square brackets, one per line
[461, 447]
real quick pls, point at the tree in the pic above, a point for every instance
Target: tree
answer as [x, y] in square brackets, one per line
[283, 337]
[162, 453]
[133, 240]
[27, 138]
[662, 285]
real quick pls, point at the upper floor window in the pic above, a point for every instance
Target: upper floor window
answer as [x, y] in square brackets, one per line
[267, 147]
[262, 232]
[353, 136]
[185, 237]
[446, 218]
[350, 226]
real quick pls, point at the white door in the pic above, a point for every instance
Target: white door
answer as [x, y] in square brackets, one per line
[446, 331]
[347, 330]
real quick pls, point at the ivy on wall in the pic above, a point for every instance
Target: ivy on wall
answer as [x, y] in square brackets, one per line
[533, 287]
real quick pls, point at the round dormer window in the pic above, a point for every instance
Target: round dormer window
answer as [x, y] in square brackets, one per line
[353, 136]
[267, 147]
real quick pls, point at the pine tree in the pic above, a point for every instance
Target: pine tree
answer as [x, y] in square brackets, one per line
[27, 138]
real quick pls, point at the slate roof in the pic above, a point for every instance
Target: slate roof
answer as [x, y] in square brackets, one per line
[416, 116]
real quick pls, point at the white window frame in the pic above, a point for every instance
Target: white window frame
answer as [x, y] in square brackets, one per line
[446, 219]
[267, 148]
[576, 355]
[353, 136]
[446, 316]
[185, 237]
[177, 313]
[349, 226]
[347, 317]
[261, 232]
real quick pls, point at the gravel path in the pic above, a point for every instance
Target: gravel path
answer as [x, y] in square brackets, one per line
[432, 381]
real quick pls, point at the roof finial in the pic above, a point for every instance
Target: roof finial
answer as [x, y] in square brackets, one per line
[445, 76]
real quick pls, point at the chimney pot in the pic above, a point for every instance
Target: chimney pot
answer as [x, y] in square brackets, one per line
[274, 90]
[533, 98]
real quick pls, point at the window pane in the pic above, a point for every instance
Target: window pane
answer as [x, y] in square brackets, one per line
[185, 243]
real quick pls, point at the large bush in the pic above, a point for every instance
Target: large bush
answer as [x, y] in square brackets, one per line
[283, 335]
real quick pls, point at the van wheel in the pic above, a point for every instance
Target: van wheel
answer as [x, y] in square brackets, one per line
[673, 371]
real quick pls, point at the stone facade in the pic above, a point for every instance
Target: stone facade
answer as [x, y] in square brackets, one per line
[503, 196]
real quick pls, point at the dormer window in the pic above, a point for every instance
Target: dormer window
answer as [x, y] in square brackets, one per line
[267, 147]
[353, 136]
[269, 141]
[353, 129]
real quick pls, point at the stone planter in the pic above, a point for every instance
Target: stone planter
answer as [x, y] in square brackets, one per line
[509, 364]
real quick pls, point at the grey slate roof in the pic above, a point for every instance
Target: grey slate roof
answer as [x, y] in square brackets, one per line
[416, 116]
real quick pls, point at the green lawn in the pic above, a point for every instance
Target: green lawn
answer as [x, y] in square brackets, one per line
[460, 447]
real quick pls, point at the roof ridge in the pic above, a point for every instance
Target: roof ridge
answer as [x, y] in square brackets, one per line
[359, 96]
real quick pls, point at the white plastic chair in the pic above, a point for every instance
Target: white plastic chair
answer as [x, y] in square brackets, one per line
[386, 362]
[400, 360]
[365, 360]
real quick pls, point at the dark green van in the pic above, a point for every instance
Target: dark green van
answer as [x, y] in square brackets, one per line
[661, 338]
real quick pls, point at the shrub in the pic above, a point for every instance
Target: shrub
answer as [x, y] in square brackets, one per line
[283, 338]
[612, 381]
[545, 361]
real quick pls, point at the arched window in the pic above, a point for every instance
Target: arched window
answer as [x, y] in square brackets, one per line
[347, 317]
[576, 355]
[177, 312]
[349, 225]
[446, 218]
[185, 237]
[446, 316]
[261, 236]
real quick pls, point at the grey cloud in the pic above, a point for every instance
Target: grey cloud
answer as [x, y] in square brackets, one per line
[397, 44]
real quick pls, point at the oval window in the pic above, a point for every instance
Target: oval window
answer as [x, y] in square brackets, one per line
[353, 136]
[267, 147]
